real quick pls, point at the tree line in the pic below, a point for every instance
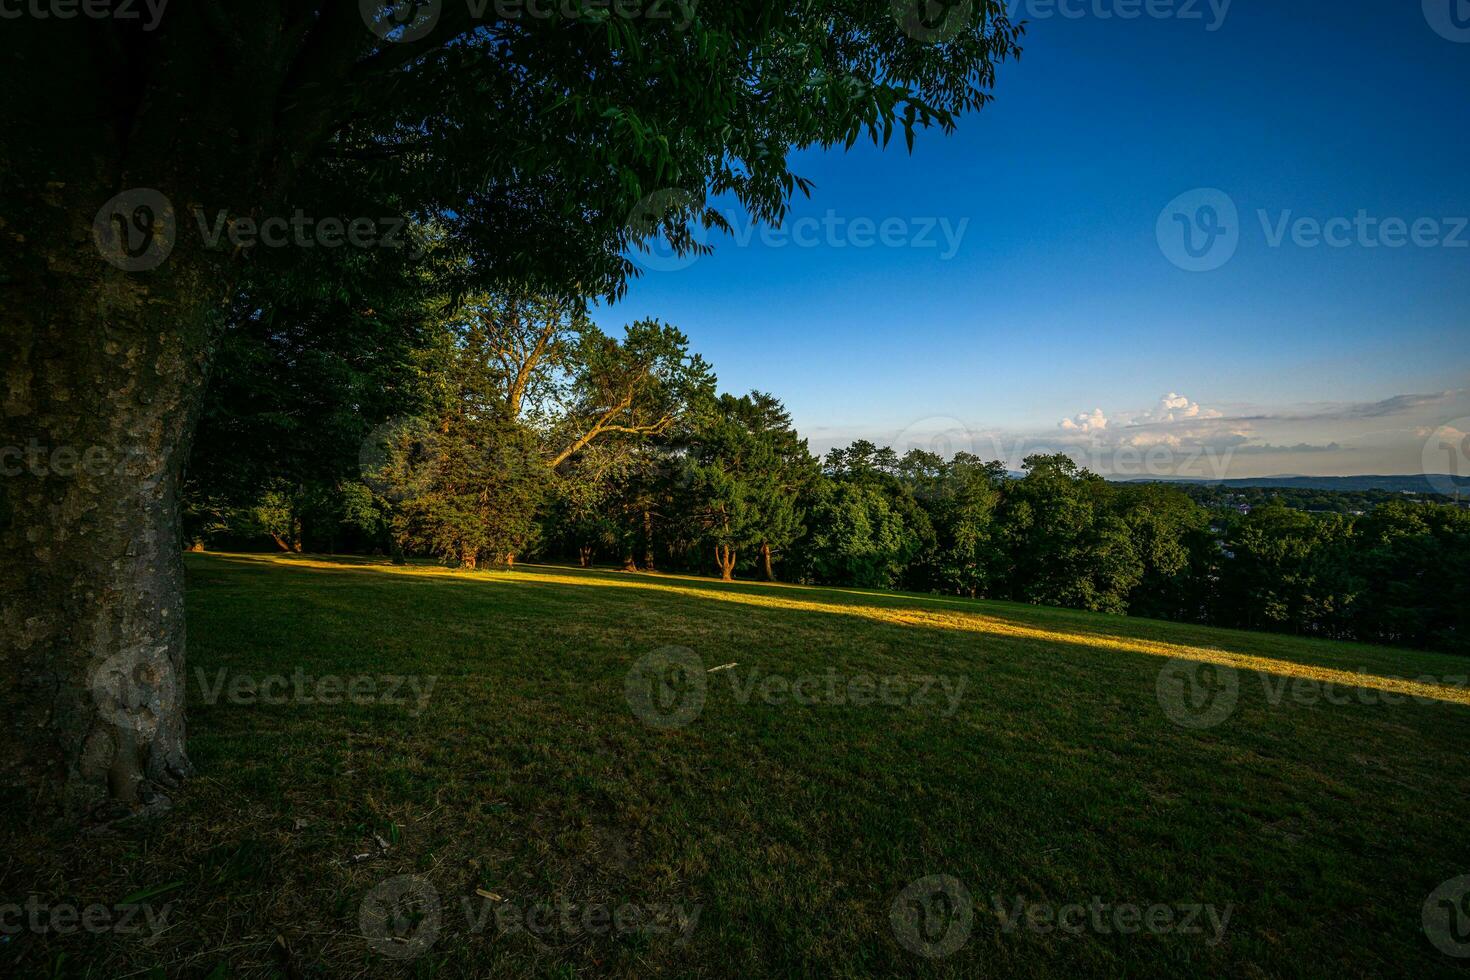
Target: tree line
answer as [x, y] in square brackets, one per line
[507, 426]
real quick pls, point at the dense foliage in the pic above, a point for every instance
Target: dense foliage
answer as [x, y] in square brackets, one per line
[514, 427]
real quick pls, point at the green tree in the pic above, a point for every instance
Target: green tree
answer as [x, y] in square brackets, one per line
[1286, 571]
[731, 472]
[471, 491]
[1415, 559]
[1171, 535]
[530, 140]
[960, 496]
[856, 536]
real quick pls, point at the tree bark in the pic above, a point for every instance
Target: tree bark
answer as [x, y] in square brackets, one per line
[584, 556]
[770, 574]
[725, 558]
[104, 373]
[647, 541]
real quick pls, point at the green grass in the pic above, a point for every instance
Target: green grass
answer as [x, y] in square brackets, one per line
[1059, 776]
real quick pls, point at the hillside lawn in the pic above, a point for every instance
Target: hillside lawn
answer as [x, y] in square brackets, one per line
[774, 836]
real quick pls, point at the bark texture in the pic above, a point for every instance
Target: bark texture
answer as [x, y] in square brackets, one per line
[104, 355]
[104, 371]
[725, 559]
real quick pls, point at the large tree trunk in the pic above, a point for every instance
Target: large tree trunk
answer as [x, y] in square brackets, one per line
[104, 351]
[647, 541]
[584, 555]
[766, 569]
[104, 371]
[725, 558]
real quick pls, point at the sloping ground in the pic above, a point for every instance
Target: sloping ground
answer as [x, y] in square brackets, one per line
[411, 771]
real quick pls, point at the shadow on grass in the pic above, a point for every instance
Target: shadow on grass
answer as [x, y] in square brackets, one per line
[1035, 624]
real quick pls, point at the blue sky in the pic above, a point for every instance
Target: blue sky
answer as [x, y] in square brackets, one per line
[1026, 277]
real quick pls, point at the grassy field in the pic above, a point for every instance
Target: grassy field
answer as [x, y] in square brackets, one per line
[557, 772]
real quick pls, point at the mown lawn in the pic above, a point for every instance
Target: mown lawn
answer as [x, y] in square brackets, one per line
[1290, 815]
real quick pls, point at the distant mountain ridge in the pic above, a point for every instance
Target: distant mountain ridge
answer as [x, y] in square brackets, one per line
[1405, 483]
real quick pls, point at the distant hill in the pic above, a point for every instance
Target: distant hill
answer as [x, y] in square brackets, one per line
[1425, 483]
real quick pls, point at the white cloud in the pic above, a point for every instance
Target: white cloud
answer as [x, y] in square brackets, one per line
[1094, 421]
[1175, 407]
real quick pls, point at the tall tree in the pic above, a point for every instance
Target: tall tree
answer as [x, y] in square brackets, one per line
[531, 139]
[747, 468]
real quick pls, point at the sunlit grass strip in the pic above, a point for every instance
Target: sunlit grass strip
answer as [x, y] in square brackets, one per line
[964, 622]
